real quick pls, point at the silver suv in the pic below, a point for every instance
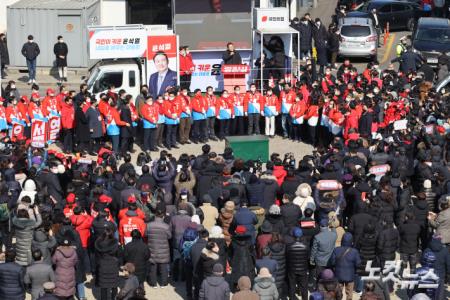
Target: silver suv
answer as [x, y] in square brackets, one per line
[358, 38]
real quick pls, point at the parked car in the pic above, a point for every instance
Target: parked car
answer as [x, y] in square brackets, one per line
[358, 38]
[431, 38]
[400, 14]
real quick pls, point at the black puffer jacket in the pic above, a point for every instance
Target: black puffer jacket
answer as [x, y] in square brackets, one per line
[367, 246]
[409, 236]
[11, 281]
[206, 263]
[277, 223]
[388, 242]
[107, 263]
[357, 223]
[137, 252]
[278, 251]
[159, 234]
[242, 258]
[297, 257]
[420, 210]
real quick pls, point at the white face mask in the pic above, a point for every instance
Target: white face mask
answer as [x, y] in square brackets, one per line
[210, 92]
[269, 93]
[253, 90]
[171, 97]
[54, 170]
[13, 86]
[225, 95]
[184, 197]
[185, 93]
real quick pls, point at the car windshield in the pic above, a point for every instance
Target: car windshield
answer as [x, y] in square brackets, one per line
[435, 35]
[355, 31]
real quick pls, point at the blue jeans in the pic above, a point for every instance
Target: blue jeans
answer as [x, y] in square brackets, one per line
[80, 290]
[31, 65]
[115, 140]
[285, 124]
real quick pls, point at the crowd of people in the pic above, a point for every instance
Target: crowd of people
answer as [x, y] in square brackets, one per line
[376, 188]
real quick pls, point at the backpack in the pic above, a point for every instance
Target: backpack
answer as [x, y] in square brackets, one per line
[190, 236]
[4, 212]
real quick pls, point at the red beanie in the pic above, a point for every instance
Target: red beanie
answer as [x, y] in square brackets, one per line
[104, 199]
[132, 198]
[240, 229]
[70, 198]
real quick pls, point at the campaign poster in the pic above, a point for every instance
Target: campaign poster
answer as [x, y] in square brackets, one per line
[17, 132]
[126, 43]
[54, 126]
[38, 133]
[162, 63]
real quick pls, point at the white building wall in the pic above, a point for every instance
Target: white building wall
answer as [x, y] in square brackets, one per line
[113, 12]
[3, 5]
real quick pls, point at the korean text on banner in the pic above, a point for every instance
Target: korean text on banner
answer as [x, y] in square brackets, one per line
[54, 128]
[166, 44]
[105, 44]
[38, 133]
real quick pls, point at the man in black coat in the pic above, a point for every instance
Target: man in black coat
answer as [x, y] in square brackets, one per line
[409, 242]
[30, 50]
[137, 252]
[320, 35]
[231, 56]
[126, 132]
[4, 54]
[12, 285]
[297, 255]
[49, 179]
[358, 221]
[60, 50]
[196, 252]
[290, 212]
[365, 122]
[306, 35]
[82, 127]
[409, 61]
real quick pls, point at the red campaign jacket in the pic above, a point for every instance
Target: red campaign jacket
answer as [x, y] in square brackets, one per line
[127, 224]
[150, 112]
[289, 97]
[327, 81]
[272, 101]
[298, 109]
[123, 212]
[68, 210]
[60, 97]
[82, 224]
[33, 108]
[351, 121]
[352, 137]
[336, 116]
[67, 116]
[171, 107]
[186, 64]
[280, 173]
[184, 103]
[199, 104]
[49, 104]
[23, 108]
[134, 114]
[238, 99]
[366, 75]
[211, 100]
[312, 111]
[14, 112]
[114, 115]
[305, 92]
[224, 103]
[103, 108]
[256, 97]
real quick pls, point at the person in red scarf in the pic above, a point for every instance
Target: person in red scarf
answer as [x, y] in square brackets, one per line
[67, 123]
[297, 114]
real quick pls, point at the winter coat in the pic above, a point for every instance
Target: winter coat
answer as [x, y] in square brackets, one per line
[255, 193]
[11, 281]
[290, 185]
[367, 247]
[388, 243]
[225, 219]
[357, 223]
[242, 257]
[442, 225]
[36, 275]
[223, 249]
[60, 49]
[95, 124]
[305, 37]
[320, 36]
[82, 224]
[51, 182]
[323, 246]
[297, 255]
[137, 252]
[409, 237]
[333, 42]
[107, 263]
[330, 289]
[244, 293]
[442, 264]
[277, 223]
[188, 185]
[291, 214]
[210, 215]
[270, 191]
[30, 50]
[266, 262]
[206, 263]
[24, 229]
[245, 217]
[420, 210]
[65, 259]
[67, 115]
[125, 115]
[266, 288]
[303, 197]
[179, 223]
[280, 174]
[45, 243]
[214, 287]
[278, 251]
[82, 126]
[346, 260]
[130, 286]
[409, 61]
[4, 54]
[196, 253]
[158, 235]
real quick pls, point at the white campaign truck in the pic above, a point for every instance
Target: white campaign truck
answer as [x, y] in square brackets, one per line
[125, 54]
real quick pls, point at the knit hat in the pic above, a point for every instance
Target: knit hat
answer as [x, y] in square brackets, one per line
[195, 219]
[264, 272]
[324, 222]
[327, 274]
[427, 184]
[218, 269]
[274, 210]
[266, 227]
[297, 232]
[240, 229]
[229, 205]
[70, 198]
[131, 199]
[215, 232]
